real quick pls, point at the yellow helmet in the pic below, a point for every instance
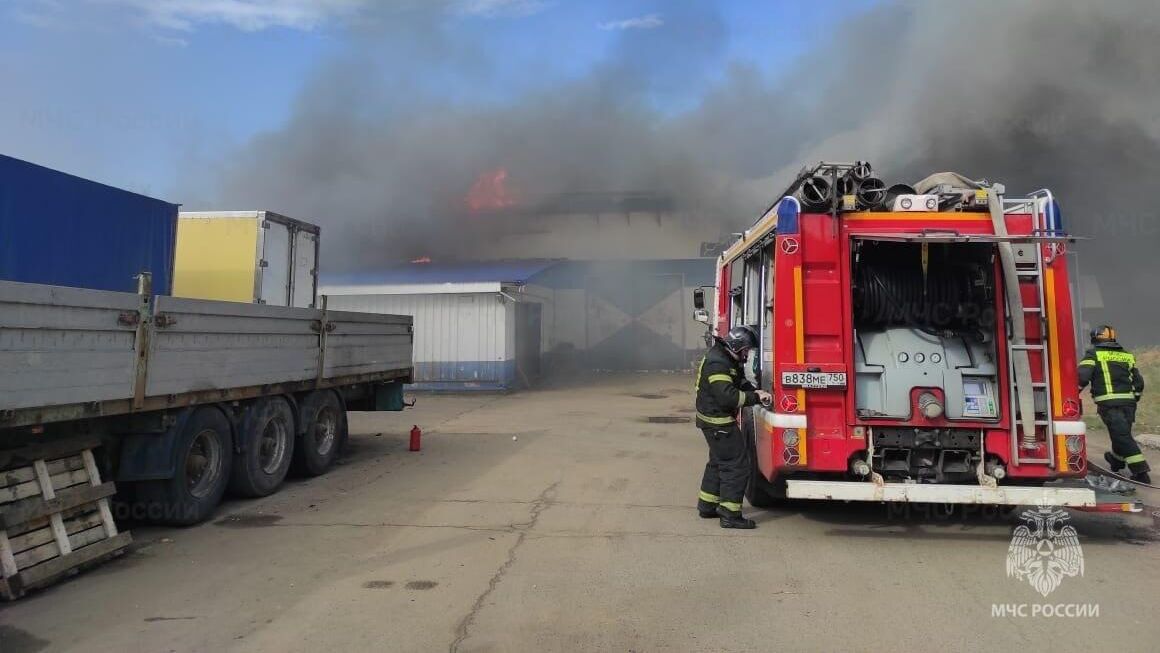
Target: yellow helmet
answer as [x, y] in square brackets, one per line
[1104, 333]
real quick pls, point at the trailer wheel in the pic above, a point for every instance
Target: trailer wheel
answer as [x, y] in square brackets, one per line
[204, 460]
[323, 433]
[267, 446]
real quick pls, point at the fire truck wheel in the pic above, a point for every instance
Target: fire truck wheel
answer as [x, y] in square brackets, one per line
[267, 445]
[203, 448]
[760, 492]
[763, 494]
[323, 433]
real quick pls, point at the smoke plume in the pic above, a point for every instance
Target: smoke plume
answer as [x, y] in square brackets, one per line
[1063, 94]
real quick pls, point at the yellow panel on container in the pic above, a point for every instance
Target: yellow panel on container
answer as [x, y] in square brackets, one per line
[216, 258]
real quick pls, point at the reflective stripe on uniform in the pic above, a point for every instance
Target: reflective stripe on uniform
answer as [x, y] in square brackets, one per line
[720, 378]
[1088, 362]
[1124, 357]
[721, 421]
[741, 400]
[700, 365]
[1107, 378]
[1134, 459]
[1114, 395]
[1115, 455]
[708, 498]
[731, 506]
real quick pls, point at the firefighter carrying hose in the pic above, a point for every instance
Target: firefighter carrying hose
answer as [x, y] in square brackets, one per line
[1116, 388]
[722, 390]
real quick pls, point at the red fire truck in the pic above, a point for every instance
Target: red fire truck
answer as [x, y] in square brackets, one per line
[919, 343]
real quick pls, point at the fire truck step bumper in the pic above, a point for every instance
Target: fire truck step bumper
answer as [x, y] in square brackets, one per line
[1075, 497]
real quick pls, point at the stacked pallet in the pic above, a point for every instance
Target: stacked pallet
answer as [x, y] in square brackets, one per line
[54, 515]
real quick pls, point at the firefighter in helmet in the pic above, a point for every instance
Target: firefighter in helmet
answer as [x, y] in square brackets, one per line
[1116, 388]
[722, 390]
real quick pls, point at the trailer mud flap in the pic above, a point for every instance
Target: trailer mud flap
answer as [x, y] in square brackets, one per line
[389, 396]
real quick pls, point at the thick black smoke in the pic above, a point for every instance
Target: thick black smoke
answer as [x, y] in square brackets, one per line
[1057, 93]
[384, 162]
[1033, 93]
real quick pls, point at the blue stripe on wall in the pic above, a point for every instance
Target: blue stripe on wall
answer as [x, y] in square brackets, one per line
[461, 375]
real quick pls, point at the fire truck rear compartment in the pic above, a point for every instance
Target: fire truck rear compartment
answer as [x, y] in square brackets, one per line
[924, 353]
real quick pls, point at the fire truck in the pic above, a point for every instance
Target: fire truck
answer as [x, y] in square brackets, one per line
[919, 343]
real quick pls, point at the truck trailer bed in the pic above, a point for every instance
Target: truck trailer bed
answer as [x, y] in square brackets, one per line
[69, 353]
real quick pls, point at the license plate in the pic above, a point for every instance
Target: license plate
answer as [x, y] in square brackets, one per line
[814, 379]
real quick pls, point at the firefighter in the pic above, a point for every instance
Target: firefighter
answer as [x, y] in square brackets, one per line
[1116, 388]
[722, 390]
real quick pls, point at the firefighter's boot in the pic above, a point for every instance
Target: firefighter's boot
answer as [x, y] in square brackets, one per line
[1115, 463]
[733, 519]
[707, 505]
[1142, 477]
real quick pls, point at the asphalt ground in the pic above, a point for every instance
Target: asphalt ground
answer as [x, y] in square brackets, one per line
[563, 520]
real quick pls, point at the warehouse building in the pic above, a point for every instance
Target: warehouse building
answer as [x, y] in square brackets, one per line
[503, 325]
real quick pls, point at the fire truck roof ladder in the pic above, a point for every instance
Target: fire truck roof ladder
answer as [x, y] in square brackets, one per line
[1023, 431]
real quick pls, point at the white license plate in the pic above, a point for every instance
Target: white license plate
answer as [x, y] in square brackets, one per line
[814, 379]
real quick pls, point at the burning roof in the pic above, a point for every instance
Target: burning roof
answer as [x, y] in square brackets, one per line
[490, 192]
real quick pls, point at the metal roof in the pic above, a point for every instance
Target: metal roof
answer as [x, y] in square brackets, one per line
[518, 271]
[260, 215]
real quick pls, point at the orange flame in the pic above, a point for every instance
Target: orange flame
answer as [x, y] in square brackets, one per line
[490, 192]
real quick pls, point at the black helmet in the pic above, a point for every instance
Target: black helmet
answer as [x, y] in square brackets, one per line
[1104, 333]
[739, 339]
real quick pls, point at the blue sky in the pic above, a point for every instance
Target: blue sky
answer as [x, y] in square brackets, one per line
[145, 93]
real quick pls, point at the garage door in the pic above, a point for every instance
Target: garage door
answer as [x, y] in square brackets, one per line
[635, 322]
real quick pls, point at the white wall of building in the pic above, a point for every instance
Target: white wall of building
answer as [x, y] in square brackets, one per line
[458, 337]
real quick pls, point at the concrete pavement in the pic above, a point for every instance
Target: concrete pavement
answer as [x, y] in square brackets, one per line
[579, 535]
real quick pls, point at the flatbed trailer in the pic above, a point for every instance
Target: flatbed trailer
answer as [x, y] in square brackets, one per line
[176, 400]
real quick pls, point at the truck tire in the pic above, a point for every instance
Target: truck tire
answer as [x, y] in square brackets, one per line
[204, 458]
[763, 494]
[266, 442]
[759, 491]
[323, 434]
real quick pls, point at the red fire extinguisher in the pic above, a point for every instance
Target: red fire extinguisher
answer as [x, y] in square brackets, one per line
[415, 435]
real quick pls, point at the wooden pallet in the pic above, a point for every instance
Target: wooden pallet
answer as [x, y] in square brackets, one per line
[54, 515]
